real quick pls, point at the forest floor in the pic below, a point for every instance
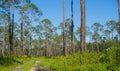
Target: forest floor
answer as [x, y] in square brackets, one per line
[35, 67]
[20, 67]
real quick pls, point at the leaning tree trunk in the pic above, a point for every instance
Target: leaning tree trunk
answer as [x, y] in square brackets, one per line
[83, 25]
[64, 27]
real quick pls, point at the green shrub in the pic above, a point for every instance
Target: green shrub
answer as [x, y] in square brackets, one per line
[87, 61]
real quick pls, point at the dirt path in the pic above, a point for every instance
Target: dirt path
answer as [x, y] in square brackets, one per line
[37, 67]
[20, 68]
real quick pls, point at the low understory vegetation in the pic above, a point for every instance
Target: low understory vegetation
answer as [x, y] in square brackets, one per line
[10, 63]
[108, 60]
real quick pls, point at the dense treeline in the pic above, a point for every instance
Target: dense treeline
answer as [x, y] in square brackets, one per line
[32, 36]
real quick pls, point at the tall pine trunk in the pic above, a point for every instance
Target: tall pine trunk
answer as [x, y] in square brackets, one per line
[12, 37]
[72, 28]
[30, 32]
[83, 25]
[46, 48]
[22, 31]
[119, 14]
[119, 10]
[64, 27]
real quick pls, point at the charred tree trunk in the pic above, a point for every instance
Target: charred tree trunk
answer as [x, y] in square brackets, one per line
[10, 34]
[72, 28]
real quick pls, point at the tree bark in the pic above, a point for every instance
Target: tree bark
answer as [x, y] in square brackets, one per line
[98, 50]
[83, 25]
[119, 14]
[10, 34]
[30, 31]
[22, 31]
[12, 37]
[64, 27]
[72, 28]
[119, 10]
[46, 48]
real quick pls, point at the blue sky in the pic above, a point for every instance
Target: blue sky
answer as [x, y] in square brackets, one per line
[96, 11]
